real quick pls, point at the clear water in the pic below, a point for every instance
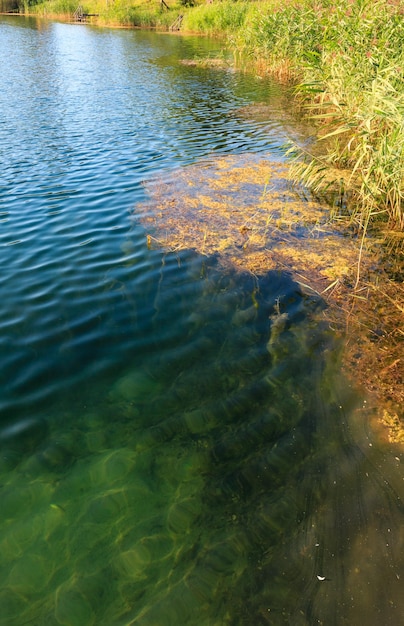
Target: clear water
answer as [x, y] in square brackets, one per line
[177, 444]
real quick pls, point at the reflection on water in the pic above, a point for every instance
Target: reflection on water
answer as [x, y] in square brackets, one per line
[177, 446]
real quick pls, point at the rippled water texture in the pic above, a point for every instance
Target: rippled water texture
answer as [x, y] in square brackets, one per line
[178, 447]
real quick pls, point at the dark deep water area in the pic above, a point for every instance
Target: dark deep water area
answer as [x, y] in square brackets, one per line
[178, 445]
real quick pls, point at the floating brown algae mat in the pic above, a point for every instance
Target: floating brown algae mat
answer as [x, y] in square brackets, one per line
[247, 209]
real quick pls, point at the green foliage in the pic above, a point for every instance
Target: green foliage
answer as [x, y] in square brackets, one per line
[216, 18]
[360, 102]
[348, 59]
[54, 7]
[149, 14]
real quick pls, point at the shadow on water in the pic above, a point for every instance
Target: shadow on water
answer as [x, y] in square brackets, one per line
[216, 480]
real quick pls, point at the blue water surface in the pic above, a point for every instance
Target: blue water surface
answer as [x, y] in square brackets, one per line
[87, 116]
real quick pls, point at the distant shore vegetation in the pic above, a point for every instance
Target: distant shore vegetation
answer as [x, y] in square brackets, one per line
[344, 60]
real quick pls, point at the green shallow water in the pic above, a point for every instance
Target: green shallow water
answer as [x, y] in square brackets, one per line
[211, 483]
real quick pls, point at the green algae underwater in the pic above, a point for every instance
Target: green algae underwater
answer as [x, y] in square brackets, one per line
[218, 480]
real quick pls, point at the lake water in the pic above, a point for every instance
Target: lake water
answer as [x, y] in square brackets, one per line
[178, 446]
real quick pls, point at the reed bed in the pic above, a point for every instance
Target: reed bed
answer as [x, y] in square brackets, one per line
[346, 60]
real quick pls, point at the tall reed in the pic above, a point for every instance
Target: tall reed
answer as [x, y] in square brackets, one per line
[347, 58]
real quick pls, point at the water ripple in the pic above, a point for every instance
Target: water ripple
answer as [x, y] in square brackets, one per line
[158, 429]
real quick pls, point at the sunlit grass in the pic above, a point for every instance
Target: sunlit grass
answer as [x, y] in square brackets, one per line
[347, 59]
[216, 18]
[355, 91]
[144, 14]
[54, 7]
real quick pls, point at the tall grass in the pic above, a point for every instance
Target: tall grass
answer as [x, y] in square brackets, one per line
[150, 14]
[348, 60]
[137, 13]
[218, 18]
[63, 8]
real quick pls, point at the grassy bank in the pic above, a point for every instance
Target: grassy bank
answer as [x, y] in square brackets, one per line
[120, 13]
